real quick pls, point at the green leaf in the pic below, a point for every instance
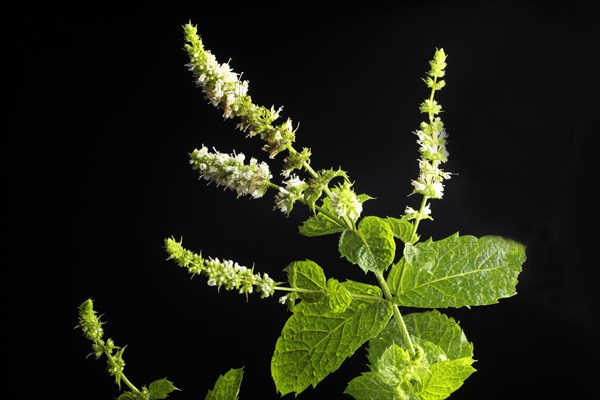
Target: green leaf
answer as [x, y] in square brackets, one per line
[441, 330]
[373, 386]
[402, 229]
[431, 326]
[128, 395]
[160, 389]
[396, 375]
[372, 246]
[307, 275]
[339, 297]
[457, 271]
[441, 365]
[445, 377]
[227, 386]
[320, 224]
[316, 340]
[398, 380]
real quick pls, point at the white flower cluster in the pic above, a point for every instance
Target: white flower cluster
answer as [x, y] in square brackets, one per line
[219, 83]
[345, 203]
[293, 191]
[225, 273]
[230, 171]
[432, 146]
[411, 213]
[232, 276]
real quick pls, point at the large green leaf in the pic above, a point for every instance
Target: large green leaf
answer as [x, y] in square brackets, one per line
[457, 271]
[371, 246]
[316, 340]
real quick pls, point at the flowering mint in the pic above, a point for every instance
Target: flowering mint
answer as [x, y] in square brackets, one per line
[293, 191]
[423, 355]
[91, 326]
[432, 136]
[226, 273]
[223, 89]
[345, 202]
[230, 171]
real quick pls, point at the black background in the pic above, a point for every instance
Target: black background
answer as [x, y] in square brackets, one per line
[102, 113]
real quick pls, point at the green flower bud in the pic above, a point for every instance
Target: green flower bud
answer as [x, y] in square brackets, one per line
[90, 323]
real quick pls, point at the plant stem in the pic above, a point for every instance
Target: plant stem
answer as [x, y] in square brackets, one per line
[130, 385]
[342, 223]
[302, 290]
[418, 218]
[396, 313]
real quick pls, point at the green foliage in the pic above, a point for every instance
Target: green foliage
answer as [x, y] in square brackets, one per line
[402, 229]
[316, 339]
[321, 224]
[227, 386]
[309, 276]
[91, 326]
[372, 246]
[419, 356]
[442, 363]
[457, 271]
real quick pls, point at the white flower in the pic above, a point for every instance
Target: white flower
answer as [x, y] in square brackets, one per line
[230, 171]
[345, 203]
[293, 191]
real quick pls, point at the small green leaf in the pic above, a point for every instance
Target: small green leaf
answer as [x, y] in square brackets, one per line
[315, 340]
[457, 271]
[321, 224]
[445, 377]
[227, 386]
[128, 395]
[372, 246]
[307, 275]
[339, 297]
[373, 386]
[402, 229]
[160, 389]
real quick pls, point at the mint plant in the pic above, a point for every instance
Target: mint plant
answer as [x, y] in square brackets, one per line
[416, 355]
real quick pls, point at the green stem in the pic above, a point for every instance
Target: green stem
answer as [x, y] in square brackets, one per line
[302, 290]
[431, 96]
[130, 385]
[334, 218]
[348, 224]
[314, 174]
[396, 313]
[418, 218]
